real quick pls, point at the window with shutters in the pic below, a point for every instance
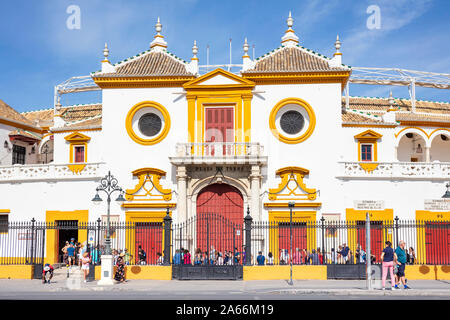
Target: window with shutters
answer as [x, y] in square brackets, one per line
[18, 156]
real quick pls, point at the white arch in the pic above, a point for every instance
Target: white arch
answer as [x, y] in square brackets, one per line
[43, 141]
[439, 132]
[416, 131]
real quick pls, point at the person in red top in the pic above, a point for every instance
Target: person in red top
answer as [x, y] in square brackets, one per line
[320, 256]
[187, 257]
[48, 269]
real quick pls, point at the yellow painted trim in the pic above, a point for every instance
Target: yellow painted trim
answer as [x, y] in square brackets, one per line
[425, 216]
[289, 174]
[247, 117]
[368, 167]
[16, 272]
[356, 125]
[77, 137]
[435, 130]
[5, 211]
[76, 168]
[298, 77]
[417, 128]
[241, 82]
[141, 82]
[277, 272]
[149, 205]
[52, 234]
[368, 137]
[72, 148]
[200, 96]
[308, 132]
[21, 126]
[425, 123]
[191, 117]
[427, 272]
[129, 123]
[297, 204]
[153, 176]
[132, 217]
[142, 272]
[76, 130]
[297, 216]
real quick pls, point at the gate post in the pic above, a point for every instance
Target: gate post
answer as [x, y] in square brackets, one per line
[248, 237]
[167, 236]
[324, 260]
[32, 241]
[396, 232]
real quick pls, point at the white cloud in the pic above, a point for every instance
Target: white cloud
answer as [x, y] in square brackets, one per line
[394, 15]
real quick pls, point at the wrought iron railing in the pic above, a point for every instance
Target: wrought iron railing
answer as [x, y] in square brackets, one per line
[214, 240]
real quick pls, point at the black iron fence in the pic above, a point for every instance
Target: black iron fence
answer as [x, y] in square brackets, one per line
[344, 242]
[212, 239]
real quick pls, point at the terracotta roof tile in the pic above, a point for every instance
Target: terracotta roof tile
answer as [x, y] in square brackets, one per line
[292, 59]
[7, 112]
[382, 104]
[150, 64]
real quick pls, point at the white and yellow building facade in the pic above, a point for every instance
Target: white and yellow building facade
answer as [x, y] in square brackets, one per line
[277, 131]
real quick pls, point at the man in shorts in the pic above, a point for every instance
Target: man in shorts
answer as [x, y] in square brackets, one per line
[401, 262]
[71, 255]
[48, 270]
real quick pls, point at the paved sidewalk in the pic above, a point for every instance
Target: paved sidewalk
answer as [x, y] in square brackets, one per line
[208, 289]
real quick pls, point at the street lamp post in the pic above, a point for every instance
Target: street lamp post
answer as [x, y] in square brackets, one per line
[109, 185]
[291, 205]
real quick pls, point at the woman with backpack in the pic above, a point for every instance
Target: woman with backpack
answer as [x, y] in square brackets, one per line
[387, 257]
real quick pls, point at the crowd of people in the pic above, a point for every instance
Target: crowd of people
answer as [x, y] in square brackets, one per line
[343, 255]
[213, 257]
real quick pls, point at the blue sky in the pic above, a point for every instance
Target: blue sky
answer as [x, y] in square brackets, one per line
[38, 51]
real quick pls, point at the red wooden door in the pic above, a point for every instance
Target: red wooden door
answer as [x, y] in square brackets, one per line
[220, 214]
[299, 240]
[149, 237]
[437, 242]
[79, 154]
[376, 237]
[219, 128]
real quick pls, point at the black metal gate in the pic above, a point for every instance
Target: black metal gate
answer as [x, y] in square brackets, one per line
[36, 250]
[208, 247]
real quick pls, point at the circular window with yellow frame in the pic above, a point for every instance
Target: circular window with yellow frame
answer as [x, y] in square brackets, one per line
[147, 123]
[292, 120]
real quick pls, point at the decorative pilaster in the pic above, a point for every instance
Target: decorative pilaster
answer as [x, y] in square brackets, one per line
[255, 181]
[182, 193]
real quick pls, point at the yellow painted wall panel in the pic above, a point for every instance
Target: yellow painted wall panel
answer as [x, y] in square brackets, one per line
[16, 272]
[283, 272]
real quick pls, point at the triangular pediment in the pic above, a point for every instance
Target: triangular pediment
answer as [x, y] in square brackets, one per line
[368, 134]
[219, 78]
[77, 136]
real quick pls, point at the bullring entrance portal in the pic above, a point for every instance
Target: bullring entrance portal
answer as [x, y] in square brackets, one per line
[213, 239]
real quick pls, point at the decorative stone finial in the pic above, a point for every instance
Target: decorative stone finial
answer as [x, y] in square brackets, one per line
[289, 38]
[193, 65]
[337, 45]
[195, 51]
[246, 47]
[391, 102]
[290, 21]
[158, 43]
[106, 52]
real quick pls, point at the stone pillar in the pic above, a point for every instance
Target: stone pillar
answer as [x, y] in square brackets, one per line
[182, 189]
[255, 180]
[427, 154]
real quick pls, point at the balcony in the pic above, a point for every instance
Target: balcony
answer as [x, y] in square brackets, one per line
[394, 170]
[50, 172]
[219, 153]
